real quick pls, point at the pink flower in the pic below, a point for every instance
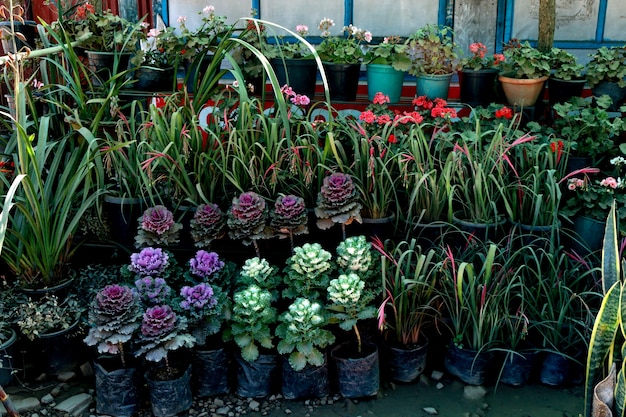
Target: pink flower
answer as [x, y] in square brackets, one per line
[181, 19]
[367, 36]
[300, 100]
[367, 116]
[153, 33]
[209, 9]
[609, 182]
[302, 30]
[383, 119]
[380, 98]
[497, 58]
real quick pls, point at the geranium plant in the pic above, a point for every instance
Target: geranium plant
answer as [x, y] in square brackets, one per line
[432, 51]
[157, 228]
[198, 42]
[521, 60]
[565, 65]
[607, 64]
[289, 49]
[391, 51]
[342, 49]
[302, 335]
[479, 59]
[114, 316]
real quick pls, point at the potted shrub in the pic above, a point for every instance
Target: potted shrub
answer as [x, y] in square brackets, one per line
[477, 75]
[302, 340]
[523, 73]
[410, 305]
[342, 56]
[251, 327]
[158, 61]
[356, 361]
[386, 64]
[566, 78]
[606, 73]
[434, 58]
[114, 317]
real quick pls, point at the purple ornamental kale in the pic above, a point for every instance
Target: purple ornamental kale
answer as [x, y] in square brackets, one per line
[114, 300]
[197, 297]
[152, 291]
[149, 262]
[205, 264]
[338, 189]
[158, 321]
[157, 219]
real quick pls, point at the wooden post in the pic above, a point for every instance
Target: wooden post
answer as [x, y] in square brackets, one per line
[547, 24]
[8, 405]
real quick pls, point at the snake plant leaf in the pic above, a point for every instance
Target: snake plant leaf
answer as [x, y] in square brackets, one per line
[610, 255]
[620, 389]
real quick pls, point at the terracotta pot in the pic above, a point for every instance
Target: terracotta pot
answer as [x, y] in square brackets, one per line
[522, 92]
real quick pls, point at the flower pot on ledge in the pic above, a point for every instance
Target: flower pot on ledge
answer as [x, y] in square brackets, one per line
[478, 88]
[343, 80]
[433, 85]
[521, 92]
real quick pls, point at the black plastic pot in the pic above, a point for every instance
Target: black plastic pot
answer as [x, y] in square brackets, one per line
[172, 396]
[358, 375]
[154, 79]
[311, 382]
[560, 91]
[478, 88]
[257, 379]
[554, 370]
[123, 214]
[343, 80]
[406, 364]
[470, 366]
[210, 372]
[116, 389]
[517, 367]
[6, 358]
[299, 74]
[28, 29]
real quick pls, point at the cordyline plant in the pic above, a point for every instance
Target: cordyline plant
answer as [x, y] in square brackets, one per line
[114, 315]
[205, 307]
[157, 228]
[247, 217]
[350, 303]
[207, 225]
[162, 331]
[302, 334]
[308, 271]
[337, 202]
[251, 320]
[289, 217]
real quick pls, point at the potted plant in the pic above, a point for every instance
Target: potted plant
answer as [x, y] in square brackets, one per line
[246, 55]
[208, 224]
[386, 64]
[114, 317]
[434, 58]
[357, 364]
[337, 202]
[302, 340]
[157, 228]
[251, 327]
[307, 272]
[523, 73]
[588, 129]
[606, 73]
[8, 336]
[477, 75]
[342, 56]
[247, 219]
[566, 78]
[289, 217]
[293, 61]
[410, 305]
[470, 290]
[169, 381]
[158, 61]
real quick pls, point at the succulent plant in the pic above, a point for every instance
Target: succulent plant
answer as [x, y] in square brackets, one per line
[162, 331]
[308, 271]
[205, 307]
[247, 217]
[302, 335]
[289, 216]
[337, 201]
[350, 303]
[114, 315]
[157, 228]
[251, 320]
[207, 225]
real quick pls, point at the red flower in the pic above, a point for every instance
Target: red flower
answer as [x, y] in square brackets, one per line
[392, 139]
[504, 112]
[383, 119]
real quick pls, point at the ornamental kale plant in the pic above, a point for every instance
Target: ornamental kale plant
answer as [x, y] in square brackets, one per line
[355, 255]
[157, 228]
[289, 217]
[350, 303]
[257, 271]
[204, 266]
[247, 217]
[207, 225]
[205, 307]
[251, 321]
[151, 262]
[337, 202]
[152, 291]
[302, 334]
[307, 272]
[162, 331]
[114, 315]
